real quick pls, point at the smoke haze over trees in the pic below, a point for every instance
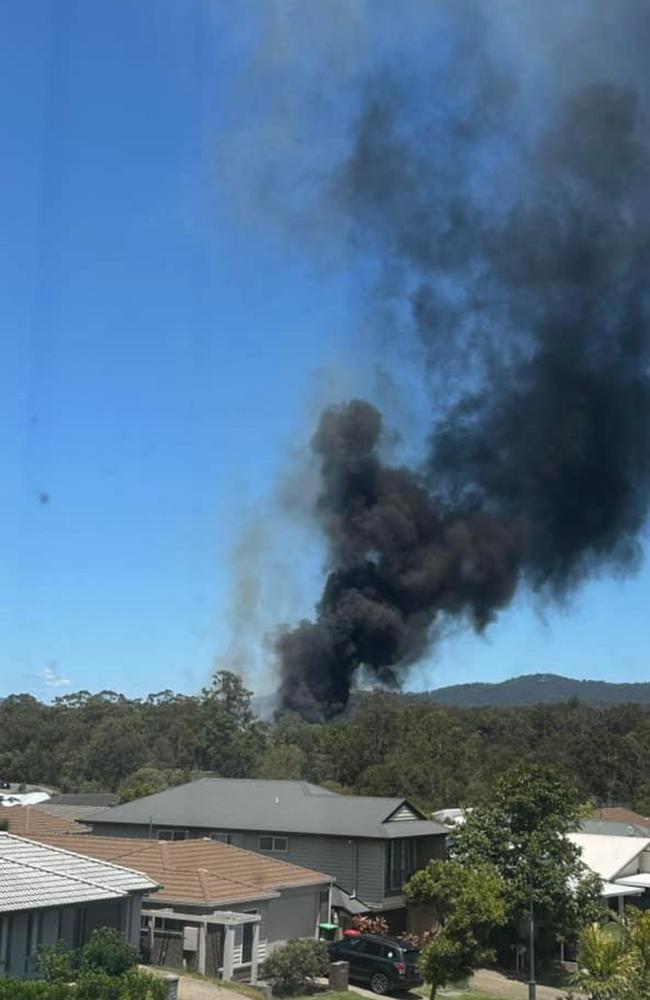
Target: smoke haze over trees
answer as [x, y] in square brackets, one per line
[504, 222]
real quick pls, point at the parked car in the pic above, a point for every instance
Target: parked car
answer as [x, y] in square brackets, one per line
[384, 964]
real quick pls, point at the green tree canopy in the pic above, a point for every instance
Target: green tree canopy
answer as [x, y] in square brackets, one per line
[465, 903]
[231, 739]
[521, 828]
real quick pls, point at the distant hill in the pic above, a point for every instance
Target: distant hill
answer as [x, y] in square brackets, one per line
[533, 689]
[529, 689]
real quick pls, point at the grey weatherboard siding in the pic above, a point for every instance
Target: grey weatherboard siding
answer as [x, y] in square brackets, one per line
[352, 849]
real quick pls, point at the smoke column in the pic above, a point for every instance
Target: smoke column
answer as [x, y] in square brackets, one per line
[523, 277]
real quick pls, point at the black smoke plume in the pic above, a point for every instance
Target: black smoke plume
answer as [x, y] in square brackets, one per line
[530, 303]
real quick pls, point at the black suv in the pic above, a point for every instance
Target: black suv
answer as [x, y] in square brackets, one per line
[382, 963]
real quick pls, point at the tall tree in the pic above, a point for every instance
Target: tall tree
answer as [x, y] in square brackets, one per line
[520, 827]
[464, 905]
[231, 739]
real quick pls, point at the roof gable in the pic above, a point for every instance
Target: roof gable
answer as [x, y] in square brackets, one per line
[608, 855]
[403, 813]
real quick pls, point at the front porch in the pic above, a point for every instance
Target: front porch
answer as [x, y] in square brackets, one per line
[198, 934]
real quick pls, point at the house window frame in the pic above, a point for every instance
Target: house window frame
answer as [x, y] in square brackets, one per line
[275, 841]
[396, 874]
[221, 836]
[176, 834]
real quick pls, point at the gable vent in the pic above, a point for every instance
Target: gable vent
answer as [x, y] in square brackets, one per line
[403, 813]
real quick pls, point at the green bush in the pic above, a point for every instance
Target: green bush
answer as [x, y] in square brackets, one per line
[293, 967]
[57, 963]
[107, 951]
[94, 984]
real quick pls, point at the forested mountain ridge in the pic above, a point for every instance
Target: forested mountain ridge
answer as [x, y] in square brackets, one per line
[436, 755]
[537, 689]
[527, 689]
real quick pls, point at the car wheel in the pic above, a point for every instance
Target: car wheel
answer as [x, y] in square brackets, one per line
[379, 983]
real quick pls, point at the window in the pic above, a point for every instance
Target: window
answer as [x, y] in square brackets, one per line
[169, 926]
[171, 835]
[221, 837]
[352, 944]
[370, 947]
[401, 862]
[277, 844]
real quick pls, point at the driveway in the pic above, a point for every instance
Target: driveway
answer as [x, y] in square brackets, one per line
[487, 983]
[495, 984]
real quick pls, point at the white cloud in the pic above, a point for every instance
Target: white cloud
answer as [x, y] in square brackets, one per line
[51, 678]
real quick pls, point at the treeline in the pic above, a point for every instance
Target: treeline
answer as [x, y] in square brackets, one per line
[436, 755]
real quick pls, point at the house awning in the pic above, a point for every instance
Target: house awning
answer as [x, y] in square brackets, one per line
[641, 880]
[612, 889]
[342, 900]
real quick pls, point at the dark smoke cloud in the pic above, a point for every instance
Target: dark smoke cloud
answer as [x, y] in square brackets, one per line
[523, 275]
[400, 560]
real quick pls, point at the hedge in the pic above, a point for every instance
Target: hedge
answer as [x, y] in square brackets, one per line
[136, 984]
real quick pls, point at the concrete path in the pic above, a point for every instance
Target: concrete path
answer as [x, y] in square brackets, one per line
[495, 984]
[200, 989]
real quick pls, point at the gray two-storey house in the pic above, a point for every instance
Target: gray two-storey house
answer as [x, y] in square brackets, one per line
[369, 845]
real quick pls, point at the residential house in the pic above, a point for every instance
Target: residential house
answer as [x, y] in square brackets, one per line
[623, 864]
[48, 894]
[219, 909]
[36, 821]
[370, 845]
[78, 806]
[617, 821]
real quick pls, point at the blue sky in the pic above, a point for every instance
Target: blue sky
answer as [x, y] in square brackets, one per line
[164, 352]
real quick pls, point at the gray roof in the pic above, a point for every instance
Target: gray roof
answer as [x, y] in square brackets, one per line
[273, 806]
[33, 876]
[71, 812]
[342, 900]
[84, 799]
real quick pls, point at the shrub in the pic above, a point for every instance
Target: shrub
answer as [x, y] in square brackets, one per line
[293, 967]
[57, 963]
[107, 951]
[94, 984]
[372, 924]
[136, 984]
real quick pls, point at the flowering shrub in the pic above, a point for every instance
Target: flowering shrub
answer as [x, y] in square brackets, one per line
[372, 924]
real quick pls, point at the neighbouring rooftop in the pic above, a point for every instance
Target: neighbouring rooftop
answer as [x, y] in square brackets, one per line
[274, 806]
[197, 872]
[34, 875]
[34, 821]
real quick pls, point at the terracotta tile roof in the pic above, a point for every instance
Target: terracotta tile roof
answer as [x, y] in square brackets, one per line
[203, 872]
[32, 821]
[618, 814]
